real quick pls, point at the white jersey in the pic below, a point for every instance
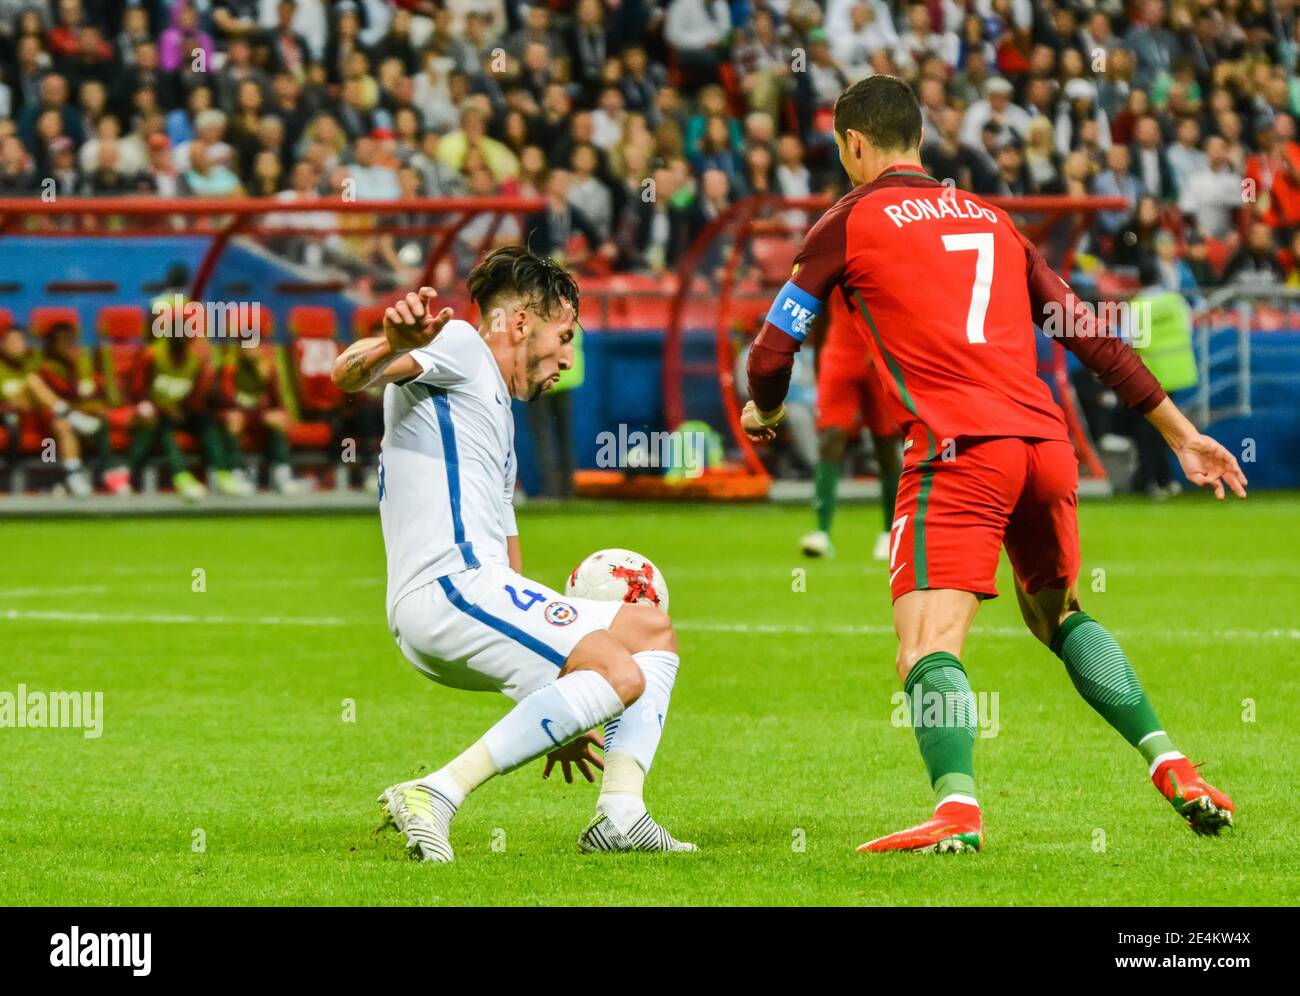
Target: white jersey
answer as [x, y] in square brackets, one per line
[447, 470]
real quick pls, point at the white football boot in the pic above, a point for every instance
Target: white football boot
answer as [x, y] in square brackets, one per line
[881, 550]
[393, 799]
[644, 835]
[428, 823]
[817, 544]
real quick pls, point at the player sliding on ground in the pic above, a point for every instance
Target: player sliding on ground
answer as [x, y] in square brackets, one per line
[458, 605]
[948, 293]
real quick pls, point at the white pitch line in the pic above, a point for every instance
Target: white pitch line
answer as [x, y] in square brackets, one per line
[85, 589]
[169, 619]
[753, 629]
[880, 630]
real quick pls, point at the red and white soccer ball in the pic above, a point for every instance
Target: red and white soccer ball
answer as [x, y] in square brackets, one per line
[618, 576]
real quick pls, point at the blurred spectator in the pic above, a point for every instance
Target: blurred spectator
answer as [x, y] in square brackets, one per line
[1135, 243]
[1255, 264]
[1116, 180]
[1150, 162]
[1185, 157]
[1172, 273]
[1275, 172]
[1213, 195]
[1153, 45]
[696, 30]
[184, 42]
[209, 173]
[553, 231]
[997, 109]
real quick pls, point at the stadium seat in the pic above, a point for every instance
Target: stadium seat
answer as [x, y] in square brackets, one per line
[41, 319]
[314, 398]
[774, 256]
[366, 319]
[121, 322]
[120, 331]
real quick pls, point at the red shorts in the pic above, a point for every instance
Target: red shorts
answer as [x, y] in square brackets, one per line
[847, 399]
[953, 517]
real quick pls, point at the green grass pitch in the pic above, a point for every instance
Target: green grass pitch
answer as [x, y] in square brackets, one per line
[227, 774]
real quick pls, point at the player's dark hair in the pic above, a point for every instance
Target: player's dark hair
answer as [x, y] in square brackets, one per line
[516, 271]
[883, 109]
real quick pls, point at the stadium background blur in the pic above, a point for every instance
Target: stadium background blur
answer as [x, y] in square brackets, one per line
[636, 125]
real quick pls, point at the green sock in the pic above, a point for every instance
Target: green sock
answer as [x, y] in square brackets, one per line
[943, 715]
[141, 443]
[827, 483]
[1107, 682]
[888, 495]
[216, 447]
[277, 446]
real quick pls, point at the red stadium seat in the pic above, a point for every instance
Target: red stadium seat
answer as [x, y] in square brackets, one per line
[774, 257]
[121, 322]
[1217, 254]
[312, 351]
[42, 319]
[366, 319]
[311, 321]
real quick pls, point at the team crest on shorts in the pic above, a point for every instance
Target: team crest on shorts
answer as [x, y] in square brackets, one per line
[560, 613]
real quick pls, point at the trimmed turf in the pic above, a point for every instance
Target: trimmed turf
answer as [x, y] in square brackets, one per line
[225, 720]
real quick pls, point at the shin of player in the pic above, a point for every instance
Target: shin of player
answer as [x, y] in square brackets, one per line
[620, 678]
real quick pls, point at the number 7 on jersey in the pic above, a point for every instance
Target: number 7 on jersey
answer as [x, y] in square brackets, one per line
[982, 244]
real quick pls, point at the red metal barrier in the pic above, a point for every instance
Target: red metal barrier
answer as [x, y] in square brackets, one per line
[221, 219]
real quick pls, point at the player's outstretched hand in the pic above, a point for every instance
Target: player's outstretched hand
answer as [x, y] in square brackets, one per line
[577, 752]
[755, 428]
[1207, 463]
[411, 322]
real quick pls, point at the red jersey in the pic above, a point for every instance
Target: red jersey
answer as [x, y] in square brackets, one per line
[947, 293]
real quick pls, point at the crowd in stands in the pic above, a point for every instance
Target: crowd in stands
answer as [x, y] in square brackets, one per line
[1186, 110]
[636, 123]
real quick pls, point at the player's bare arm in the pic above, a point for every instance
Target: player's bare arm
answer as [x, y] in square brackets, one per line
[384, 359]
[1205, 461]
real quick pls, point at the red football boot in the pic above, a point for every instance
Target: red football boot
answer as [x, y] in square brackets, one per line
[955, 827]
[1205, 808]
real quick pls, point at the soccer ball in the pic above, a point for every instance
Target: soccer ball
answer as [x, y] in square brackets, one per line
[618, 576]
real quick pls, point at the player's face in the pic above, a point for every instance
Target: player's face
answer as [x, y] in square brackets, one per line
[548, 350]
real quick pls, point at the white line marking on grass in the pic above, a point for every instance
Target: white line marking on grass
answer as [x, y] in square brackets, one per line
[169, 619]
[781, 629]
[751, 629]
[86, 589]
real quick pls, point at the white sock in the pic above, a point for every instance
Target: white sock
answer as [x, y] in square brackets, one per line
[621, 789]
[632, 739]
[549, 717]
[638, 730]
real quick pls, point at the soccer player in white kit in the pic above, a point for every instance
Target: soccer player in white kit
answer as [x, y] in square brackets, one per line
[458, 605]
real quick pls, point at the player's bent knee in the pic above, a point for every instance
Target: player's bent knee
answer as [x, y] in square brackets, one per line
[602, 653]
[644, 627]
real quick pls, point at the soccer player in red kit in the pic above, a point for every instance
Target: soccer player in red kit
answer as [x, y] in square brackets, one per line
[949, 292]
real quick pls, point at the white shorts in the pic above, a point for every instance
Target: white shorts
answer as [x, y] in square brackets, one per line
[490, 629]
